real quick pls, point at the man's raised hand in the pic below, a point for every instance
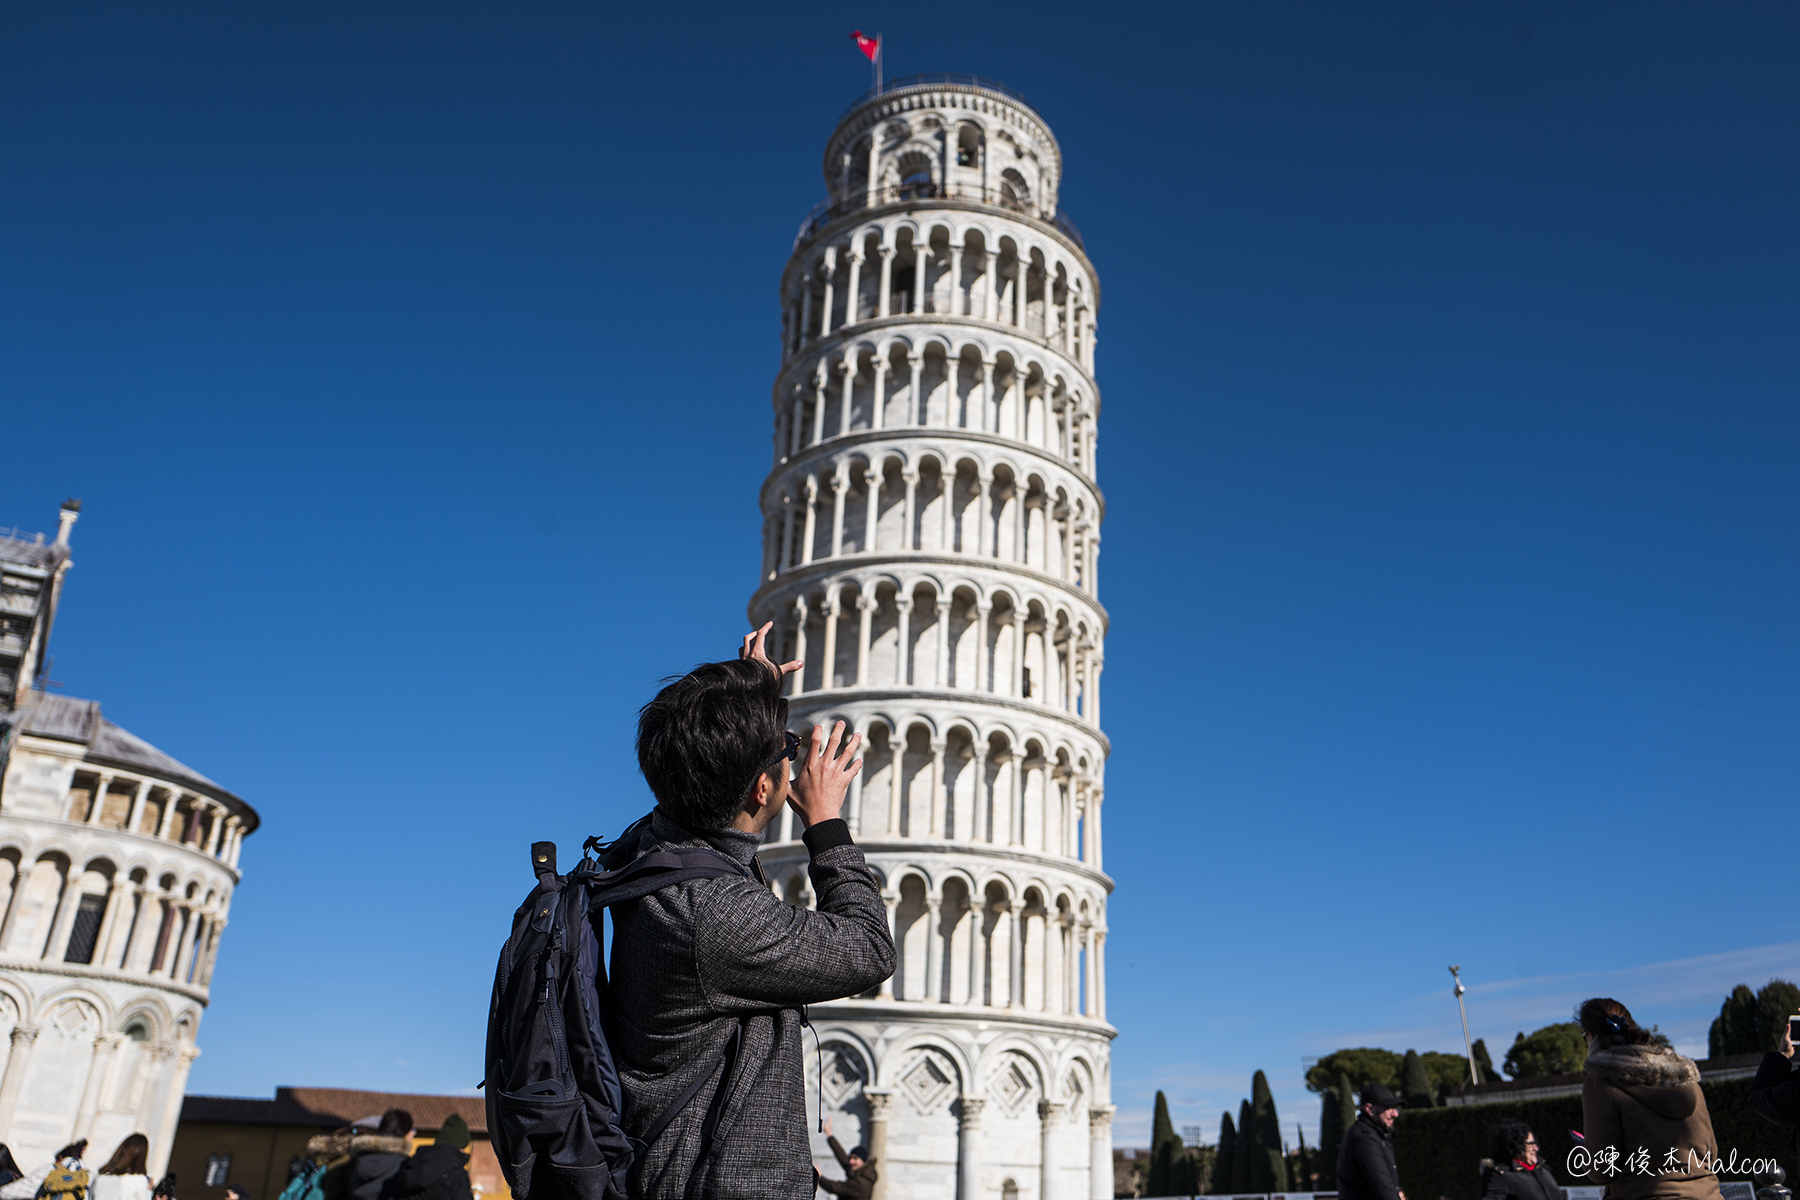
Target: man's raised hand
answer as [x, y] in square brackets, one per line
[756, 650]
[823, 779]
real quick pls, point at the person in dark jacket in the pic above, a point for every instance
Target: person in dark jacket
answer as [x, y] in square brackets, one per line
[1775, 1092]
[1366, 1169]
[438, 1171]
[373, 1159]
[1513, 1172]
[709, 976]
[858, 1182]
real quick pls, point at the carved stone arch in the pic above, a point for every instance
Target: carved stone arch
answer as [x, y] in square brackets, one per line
[1076, 1082]
[1014, 1073]
[16, 1004]
[152, 1012]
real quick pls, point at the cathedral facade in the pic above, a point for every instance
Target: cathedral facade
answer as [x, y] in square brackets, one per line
[931, 543]
[117, 867]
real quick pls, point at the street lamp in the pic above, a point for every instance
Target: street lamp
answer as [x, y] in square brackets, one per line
[1474, 1071]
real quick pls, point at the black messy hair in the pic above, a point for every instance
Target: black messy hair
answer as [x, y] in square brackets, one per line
[1506, 1142]
[707, 736]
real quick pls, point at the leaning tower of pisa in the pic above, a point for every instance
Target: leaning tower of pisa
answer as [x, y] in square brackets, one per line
[931, 535]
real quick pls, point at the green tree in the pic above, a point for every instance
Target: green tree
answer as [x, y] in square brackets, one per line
[1415, 1084]
[1246, 1142]
[1364, 1065]
[1268, 1162]
[1162, 1133]
[1331, 1133]
[1184, 1172]
[1488, 1074]
[1445, 1071]
[1222, 1182]
[1558, 1049]
[1734, 1029]
[1777, 1001]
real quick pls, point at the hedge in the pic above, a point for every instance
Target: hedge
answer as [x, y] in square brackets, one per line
[1439, 1150]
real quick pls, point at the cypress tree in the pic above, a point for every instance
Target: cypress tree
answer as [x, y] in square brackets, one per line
[1778, 1001]
[1267, 1163]
[1184, 1172]
[1162, 1132]
[1485, 1063]
[1735, 1030]
[1415, 1084]
[1331, 1136]
[1246, 1142]
[1222, 1183]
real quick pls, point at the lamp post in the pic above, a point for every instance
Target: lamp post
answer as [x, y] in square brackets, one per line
[1474, 1071]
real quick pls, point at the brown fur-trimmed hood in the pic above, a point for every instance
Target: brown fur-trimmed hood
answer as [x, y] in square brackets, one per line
[327, 1146]
[1642, 1066]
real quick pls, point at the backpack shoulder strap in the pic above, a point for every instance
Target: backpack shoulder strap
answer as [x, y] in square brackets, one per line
[658, 869]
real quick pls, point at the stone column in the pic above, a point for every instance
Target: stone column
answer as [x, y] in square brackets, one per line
[104, 1047]
[993, 282]
[934, 950]
[218, 831]
[872, 482]
[115, 897]
[853, 801]
[878, 1099]
[947, 488]
[162, 1140]
[865, 608]
[232, 821]
[984, 663]
[988, 425]
[1022, 268]
[1010, 919]
[820, 379]
[787, 534]
[896, 747]
[1089, 1009]
[827, 271]
[99, 804]
[1021, 524]
[853, 287]
[805, 307]
[955, 300]
[1050, 322]
[810, 528]
[878, 402]
[828, 680]
[1015, 619]
[18, 1062]
[977, 949]
[63, 923]
[952, 377]
[917, 362]
[1069, 331]
[1051, 1114]
[1098, 954]
[968, 1149]
[799, 677]
[903, 635]
[840, 487]
[977, 761]
[937, 789]
[1020, 764]
[921, 269]
[1095, 857]
[887, 280]
[846, 394]
[907, 542]
[943, 643]
[138, 800]
[1100, 1177]
[796, 421]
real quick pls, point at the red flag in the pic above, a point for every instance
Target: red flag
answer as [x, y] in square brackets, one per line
[870, 46]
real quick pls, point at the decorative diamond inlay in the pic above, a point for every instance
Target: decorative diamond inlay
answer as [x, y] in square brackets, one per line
[926, 1083]
[1011, 1087]
[843, 1077]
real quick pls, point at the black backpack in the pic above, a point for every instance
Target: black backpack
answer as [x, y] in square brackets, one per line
[553, 1096]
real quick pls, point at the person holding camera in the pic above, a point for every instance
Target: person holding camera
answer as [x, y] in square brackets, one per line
[1366, 1169]
[1513, 1172]
[709, 977]
[1775, 1092]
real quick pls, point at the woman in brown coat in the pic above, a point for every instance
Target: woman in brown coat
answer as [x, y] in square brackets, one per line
[1643, 1101]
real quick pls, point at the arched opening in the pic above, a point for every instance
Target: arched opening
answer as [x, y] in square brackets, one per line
[915, 182]
[1015, 193]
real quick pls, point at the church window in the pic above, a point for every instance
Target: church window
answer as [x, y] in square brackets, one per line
[87, 929]
[218, 1170]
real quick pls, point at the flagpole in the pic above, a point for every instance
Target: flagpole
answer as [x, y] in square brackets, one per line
[878, 41]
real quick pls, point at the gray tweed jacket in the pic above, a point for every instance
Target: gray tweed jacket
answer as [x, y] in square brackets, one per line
[692, 962]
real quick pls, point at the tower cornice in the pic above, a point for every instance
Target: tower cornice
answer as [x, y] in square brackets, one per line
[809, 575]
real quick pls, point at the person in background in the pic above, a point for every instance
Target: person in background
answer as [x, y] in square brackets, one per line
[26, 1186]
[859, 1171]
[1366, 1169]
[1513, 1172]
[1775, 1092]
[373, 1159]
[67, 1178]
[237, 1191]
[438, 1171]
[165, 1188]
[1643, 1099]
[126, 1175]
[9, 1169]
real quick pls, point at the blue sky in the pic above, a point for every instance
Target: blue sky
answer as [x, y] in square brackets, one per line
[412, 362]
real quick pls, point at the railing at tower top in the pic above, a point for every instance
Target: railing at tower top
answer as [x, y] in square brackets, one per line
[826, 211]
[940, 80]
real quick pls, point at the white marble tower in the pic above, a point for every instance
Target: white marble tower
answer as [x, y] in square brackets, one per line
[931, 531]
[117, 867]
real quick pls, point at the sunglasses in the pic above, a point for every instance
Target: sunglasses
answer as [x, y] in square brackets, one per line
[790, 750]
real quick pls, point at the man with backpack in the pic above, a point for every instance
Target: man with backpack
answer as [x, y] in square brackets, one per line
[710, 977]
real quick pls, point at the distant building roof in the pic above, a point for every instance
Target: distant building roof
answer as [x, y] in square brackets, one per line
[333, 1108]
[65, 718]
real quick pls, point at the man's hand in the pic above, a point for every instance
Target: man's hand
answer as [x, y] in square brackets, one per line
[827, 1126]
[755, 650]
[823, 779]
[1784, 1045]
